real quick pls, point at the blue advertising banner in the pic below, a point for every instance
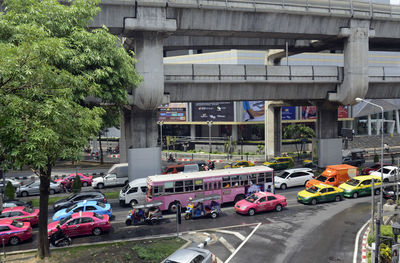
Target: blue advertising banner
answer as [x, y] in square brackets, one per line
[289, 113]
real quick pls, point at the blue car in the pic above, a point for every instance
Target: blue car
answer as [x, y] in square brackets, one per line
[84, 206]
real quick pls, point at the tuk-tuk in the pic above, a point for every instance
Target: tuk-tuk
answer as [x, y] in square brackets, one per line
[149, 213]
[196, 207]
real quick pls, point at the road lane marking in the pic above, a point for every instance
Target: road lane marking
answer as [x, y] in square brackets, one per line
[237, 234]
[242, 244]
[356, 243]
[226, 244]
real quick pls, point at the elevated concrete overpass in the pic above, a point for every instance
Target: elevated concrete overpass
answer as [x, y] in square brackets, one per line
[298, 85]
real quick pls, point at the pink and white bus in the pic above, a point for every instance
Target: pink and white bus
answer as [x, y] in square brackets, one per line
[231, 184]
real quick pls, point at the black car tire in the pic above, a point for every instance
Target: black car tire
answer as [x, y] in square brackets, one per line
[283, 186]
[84, 184]
[338, 198]
[13, 241]
[377, 191]
[314, 201]
[128, 222]
[52, 192]
[355, 195]
[97, 231]
[100, 185]
[251, 212]
[24, 194]
[133, 202]
[173, 207]
[278, 208]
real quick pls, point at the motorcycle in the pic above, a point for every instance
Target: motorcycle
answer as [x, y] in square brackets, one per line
[171, 158]
[61, 242]
[148, 213]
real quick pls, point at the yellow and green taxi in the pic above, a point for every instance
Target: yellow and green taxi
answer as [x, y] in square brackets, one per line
[237, 164]
[360, 185]
[280, 163]
[320, 193]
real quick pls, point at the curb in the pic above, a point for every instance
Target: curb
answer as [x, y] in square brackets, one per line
[364, 246]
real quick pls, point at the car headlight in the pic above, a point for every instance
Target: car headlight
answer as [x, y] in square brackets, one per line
[243, 207]
[347, 190]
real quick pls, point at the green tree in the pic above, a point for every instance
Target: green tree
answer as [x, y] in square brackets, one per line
[50, 65]
[300, 133]
[10, 191]
[76, 184]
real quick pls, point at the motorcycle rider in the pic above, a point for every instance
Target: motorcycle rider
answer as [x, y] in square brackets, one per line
[58, 235]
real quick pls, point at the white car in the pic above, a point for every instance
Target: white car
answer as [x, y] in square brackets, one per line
[293, 177]
[389, 173]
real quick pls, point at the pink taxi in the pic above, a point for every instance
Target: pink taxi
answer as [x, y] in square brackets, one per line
[260, 202]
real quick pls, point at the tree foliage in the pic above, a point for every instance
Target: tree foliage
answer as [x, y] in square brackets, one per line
[300, 133]
[50, 65]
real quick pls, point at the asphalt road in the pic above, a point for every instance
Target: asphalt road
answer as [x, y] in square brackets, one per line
[300, 233]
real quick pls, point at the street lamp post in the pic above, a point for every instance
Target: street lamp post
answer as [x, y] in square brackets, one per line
[379, 218]
[209, 123]
[161, 138]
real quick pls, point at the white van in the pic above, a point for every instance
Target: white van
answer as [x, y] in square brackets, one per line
[117, 175]
[133, 193]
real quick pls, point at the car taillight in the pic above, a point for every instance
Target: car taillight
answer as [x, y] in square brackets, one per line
[105, 200]
[109, 210]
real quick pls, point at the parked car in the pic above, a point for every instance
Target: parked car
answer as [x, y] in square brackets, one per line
[373, 167]
[14, 183]
[79, 197]
[389, 173]
[260, 202]
[133, 193]
[117, 175]
[280, 163]
[320, 193]
[22, 214]
[85, 180]
[354, 157]
[14, 232]
[361, 185]
[191, 255]
[82, 223]
[237, 164]
[16, 202]
[33, 189]
[389, 192]
[84, 206]
[293, 177]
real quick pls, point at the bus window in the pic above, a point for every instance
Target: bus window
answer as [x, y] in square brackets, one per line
[244, 180]
[210, 186]
[268, 177]
[261, 178]
[198, 184]
[205, 187]
[157, 190]
[226, 182]
[219, 185]
[169, 187]
[188, 186]
[235, 180]
[178, 186]
[253, 178]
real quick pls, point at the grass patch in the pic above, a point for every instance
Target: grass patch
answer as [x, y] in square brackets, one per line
[52, 200]
[143, 251]
[112, 195]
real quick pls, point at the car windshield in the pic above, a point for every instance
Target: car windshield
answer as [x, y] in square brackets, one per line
[252, 198]
[353, 182]
[65, 220]
[170, 261]
[385, 170]
[272, 160]
[102, 205]
[312, 189]
[29, 209]
[125, 188]
[71, 208]
[17, 224]
[283, 175]
[98, 216]
[71, 196]
[321, 178]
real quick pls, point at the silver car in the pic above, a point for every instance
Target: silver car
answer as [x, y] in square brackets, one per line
[33, 189]
[191, 255]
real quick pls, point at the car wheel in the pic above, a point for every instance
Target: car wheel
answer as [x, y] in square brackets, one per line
[100, 185]
[52, 192]
[338, 198]
[97, 231]
[251, 212]
[214, 215]
[314, 201]
[84, 184]
[377, 192]
[355, 195]
[24, 194]
[13, 241]
[128, 222]
[305, 183]
[278, 208]
[283, 186]
[132, 202]
[386, 180]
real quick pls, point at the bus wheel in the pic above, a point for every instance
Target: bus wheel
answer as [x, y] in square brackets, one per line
[172, 208]
[238, 198]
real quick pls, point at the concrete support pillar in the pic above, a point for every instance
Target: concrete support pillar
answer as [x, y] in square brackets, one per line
[192, 131]
[327, 123]
[369, 125]
[356, 47]
[272, 129]
[235, 135]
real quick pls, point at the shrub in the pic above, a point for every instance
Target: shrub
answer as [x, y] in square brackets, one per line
[77, 184]
[386, 231]
[376, 158]
[10, 191]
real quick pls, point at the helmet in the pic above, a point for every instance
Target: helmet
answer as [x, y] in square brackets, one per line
[58, 226]
[190, 199]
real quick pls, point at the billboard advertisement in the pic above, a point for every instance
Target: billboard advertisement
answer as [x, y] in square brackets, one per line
[253, 110]
[308, 112]
[212, 111]
[289, 113]
[343, 112]
[172, 112]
